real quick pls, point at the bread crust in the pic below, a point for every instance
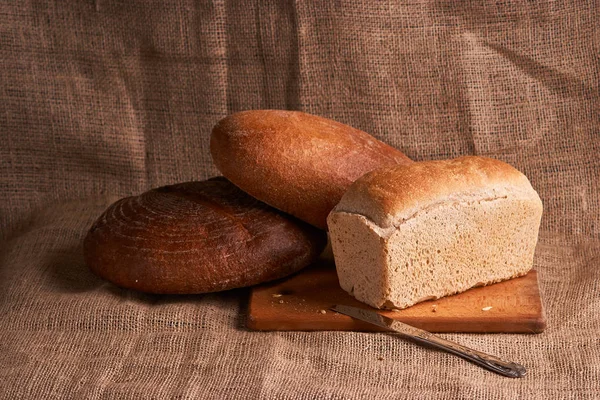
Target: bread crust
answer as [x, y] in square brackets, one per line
[390, 195]
[401, 235]
[299, 163]
[197, 237]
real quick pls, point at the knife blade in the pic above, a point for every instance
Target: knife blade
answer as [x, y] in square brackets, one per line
[495, 364]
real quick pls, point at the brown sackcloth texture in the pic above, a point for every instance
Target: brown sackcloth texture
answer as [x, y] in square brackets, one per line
[102, 99]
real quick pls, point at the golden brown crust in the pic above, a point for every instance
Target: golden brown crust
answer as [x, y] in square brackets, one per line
[389, 195]
[197, 237]
[404, 234]
[299, 163]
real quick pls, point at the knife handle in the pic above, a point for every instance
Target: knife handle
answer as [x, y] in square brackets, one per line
[506, 368]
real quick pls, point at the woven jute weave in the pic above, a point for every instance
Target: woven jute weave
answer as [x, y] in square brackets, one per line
[100, 99]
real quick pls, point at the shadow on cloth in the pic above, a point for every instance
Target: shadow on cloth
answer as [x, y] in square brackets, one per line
[68, 273]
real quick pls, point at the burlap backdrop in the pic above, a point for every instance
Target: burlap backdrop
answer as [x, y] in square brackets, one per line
[101, 99]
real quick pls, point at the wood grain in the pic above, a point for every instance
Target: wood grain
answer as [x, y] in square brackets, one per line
[297, 304]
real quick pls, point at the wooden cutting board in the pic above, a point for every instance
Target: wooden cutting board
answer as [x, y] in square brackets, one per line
[302, 301]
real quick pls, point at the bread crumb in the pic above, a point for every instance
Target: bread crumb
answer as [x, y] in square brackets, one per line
[280, 301]
[488, 308]
[380, 358]
[276, 295]
[323, 311]
[434, 308]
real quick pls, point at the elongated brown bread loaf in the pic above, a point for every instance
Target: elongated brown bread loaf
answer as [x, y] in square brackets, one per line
[299, 163]
[401, 235]
[197, 237]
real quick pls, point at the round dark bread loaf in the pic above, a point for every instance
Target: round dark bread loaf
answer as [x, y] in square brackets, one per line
[197, 237]
[299, 163]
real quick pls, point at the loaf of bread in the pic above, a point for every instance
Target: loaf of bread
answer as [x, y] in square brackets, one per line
[405, 234]
[299, 163]
[197, 237]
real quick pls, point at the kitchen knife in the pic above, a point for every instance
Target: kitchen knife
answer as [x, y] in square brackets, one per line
[510, 369]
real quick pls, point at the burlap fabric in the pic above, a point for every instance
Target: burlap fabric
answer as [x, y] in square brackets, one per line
[101, 99]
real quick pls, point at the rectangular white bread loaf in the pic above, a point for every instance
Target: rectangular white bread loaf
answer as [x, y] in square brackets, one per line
[405, 234]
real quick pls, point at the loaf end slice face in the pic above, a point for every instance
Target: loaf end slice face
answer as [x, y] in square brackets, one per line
[402, 235]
